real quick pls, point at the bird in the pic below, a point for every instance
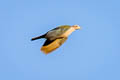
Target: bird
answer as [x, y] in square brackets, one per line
[56, 37]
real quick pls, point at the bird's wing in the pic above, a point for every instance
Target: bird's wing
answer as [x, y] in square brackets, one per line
[56, 32]
[50, 46]
[65, 27]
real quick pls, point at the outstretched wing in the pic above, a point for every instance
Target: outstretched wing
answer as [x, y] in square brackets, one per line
[50, 46]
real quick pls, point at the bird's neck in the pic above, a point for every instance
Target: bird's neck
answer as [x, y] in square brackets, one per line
[68, 32]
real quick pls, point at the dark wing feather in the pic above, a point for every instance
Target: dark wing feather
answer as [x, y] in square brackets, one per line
[47, 42]
[56, 32]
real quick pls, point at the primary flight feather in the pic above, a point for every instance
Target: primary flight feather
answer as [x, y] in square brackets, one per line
[56, 37]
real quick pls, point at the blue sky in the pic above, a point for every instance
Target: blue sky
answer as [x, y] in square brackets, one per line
[92, 53]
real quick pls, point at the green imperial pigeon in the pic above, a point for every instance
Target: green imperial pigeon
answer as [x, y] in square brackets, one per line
[56, 37]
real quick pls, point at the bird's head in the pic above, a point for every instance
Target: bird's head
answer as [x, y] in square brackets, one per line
[76, 27]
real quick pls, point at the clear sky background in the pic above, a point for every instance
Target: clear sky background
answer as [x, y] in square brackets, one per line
[92, 53]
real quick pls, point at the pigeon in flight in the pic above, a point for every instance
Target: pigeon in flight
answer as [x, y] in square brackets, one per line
[56, 37]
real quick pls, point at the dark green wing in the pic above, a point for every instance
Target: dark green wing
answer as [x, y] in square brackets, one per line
[63, 26]
[56, 32]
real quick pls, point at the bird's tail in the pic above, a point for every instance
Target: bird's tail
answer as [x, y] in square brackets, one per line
[39, 37]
